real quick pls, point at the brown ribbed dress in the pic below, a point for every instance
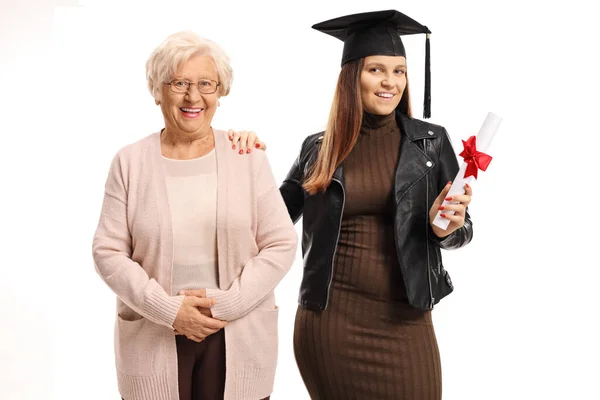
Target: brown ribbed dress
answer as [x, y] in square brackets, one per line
[369, 344]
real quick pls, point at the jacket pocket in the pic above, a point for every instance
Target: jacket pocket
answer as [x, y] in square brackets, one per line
[443, 274]
[139, 349]
[434, 263]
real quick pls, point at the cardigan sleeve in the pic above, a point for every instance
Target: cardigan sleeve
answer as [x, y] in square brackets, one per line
[112, 249]
[276, 239]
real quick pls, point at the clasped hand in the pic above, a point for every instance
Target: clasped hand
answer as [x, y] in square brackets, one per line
[194, 318]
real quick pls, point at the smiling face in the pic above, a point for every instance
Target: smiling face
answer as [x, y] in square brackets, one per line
[382, 83]
[190, 114]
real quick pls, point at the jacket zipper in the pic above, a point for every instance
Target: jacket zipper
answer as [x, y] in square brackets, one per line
[336, 242]
[425, 146]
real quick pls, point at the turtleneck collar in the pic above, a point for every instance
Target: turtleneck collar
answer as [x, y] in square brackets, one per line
[373, 123]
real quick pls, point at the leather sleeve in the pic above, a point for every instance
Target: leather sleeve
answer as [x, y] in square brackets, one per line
[291, 189]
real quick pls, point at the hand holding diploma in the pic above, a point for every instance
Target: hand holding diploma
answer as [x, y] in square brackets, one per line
[448, 211]
[453, 209]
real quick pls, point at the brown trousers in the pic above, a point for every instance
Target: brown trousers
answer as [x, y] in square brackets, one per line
[201, 367]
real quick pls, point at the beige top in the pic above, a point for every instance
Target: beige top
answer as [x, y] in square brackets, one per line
[192, 193]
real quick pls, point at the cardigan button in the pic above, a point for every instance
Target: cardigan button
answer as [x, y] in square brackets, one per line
[430, 133]
[429, 163]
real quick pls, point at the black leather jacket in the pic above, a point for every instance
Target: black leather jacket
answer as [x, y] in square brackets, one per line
[426, 163]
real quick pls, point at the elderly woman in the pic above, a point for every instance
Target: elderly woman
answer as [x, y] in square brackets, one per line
[178, 215]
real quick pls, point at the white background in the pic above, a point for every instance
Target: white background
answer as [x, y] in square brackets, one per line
[523, 320]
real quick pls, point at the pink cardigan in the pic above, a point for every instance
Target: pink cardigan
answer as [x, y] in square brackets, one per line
[133, 252]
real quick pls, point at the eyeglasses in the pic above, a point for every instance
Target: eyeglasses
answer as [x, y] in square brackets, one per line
[205, 86]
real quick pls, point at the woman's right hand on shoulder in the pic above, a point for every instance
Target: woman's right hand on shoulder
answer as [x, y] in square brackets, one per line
[192, 323]
[244, 141]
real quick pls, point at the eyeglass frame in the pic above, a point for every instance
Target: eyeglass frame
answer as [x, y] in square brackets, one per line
[189, 85]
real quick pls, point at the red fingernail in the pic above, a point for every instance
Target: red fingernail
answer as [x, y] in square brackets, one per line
[248, 151]
[467, 185]
[443, 215]
[233, 147]
[449, 198]
[241, 151]
[441, 207]
[257, 145]
[449, 183]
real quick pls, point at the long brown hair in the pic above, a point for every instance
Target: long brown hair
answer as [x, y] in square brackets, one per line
[343, 127]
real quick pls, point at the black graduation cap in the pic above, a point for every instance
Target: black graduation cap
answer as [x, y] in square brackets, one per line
[378, 33]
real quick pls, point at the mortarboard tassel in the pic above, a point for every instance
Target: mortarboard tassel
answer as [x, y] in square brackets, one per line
[427, 96]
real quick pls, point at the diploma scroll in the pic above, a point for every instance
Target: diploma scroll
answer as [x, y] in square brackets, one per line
[475, 158]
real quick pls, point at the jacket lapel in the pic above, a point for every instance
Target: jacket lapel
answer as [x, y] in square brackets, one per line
[338, 174]
[413, 163]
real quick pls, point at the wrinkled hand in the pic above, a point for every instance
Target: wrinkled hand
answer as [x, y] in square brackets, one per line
[457, 220]
[244, 141]
[201, 293]
[192, 323]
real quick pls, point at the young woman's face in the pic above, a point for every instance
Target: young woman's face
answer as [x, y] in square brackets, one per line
[382, 82]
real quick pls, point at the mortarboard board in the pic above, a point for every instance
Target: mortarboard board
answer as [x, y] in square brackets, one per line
[378, 33]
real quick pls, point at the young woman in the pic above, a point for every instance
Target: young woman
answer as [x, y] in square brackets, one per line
[367, 189]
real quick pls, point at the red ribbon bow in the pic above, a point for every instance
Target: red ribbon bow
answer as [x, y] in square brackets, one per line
[475, 159]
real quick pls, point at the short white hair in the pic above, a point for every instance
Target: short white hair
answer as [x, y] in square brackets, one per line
[175, 51]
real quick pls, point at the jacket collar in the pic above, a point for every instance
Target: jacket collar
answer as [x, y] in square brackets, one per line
[339, 173]
[414, 129]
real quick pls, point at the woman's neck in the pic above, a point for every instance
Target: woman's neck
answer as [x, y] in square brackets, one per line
[183, 146]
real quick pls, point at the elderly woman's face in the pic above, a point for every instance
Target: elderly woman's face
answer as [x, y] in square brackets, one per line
[382, 82]
[191, 112]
